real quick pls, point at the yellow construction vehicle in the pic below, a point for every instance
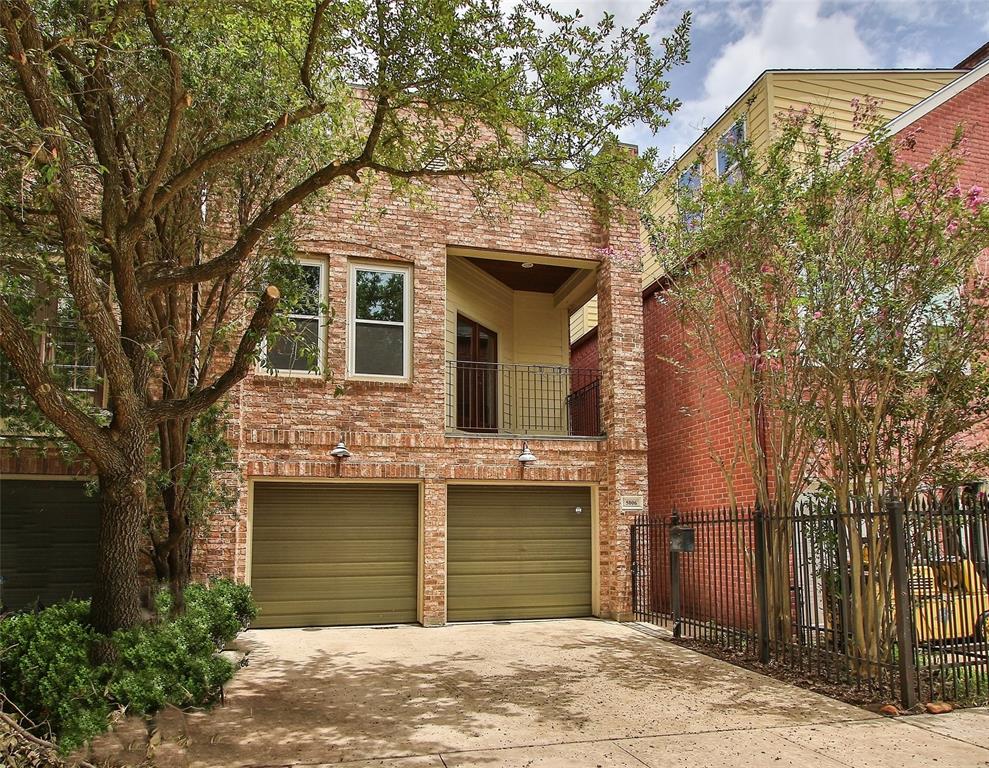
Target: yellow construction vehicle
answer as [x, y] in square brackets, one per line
[950, 601]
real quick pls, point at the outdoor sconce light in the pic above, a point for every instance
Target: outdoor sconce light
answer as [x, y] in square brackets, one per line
[340, 452]
[527, 456]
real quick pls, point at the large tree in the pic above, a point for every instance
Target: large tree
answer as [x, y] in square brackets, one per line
[159, 156]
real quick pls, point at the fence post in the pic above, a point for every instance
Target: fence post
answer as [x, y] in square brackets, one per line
[762, 598]
[635, 569]
[901, 603]
[675, 580]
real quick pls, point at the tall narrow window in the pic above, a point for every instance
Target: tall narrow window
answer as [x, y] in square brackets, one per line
[378, 321]
[729, 145]
[689, 190]
[301, 350]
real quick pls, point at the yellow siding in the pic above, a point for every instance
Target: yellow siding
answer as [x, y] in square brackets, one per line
[584, 319]
[540, 330]
[753, 107]
[530, 329]
[833, 92]
[779, 91]
[472, 292]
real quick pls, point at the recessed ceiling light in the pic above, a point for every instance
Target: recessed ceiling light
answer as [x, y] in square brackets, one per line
[527, 265]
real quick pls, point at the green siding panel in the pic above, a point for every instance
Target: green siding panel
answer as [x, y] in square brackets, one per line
[332, 555]
[48, 531]
[518, 553]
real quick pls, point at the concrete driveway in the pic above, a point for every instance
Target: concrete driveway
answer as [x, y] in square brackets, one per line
[539, 694]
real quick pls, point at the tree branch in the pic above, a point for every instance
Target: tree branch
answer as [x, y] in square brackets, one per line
[177, 103]
[22, 352]
[241, 365]
[229, 151]
[306, 73]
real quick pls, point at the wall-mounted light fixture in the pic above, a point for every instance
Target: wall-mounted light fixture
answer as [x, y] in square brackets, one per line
[527, 265]
[527, 456]
[340, 452]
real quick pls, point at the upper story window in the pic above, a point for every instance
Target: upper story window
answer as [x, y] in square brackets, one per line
[689, 189]
[378, 322]
[728, 147]
[70, 351]
[301, 350]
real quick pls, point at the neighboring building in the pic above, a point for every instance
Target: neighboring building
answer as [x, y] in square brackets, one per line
[692, 432]
[451, 340]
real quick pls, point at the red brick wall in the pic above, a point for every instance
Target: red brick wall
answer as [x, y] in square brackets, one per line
[584, 352]
[286, 426]
[933, 132]
[690, 428]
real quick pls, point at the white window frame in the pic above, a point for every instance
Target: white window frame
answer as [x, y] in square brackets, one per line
[717, 155]
[406, 272]
[320, 332]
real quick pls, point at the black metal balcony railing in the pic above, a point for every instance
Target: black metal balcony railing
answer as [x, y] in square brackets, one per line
[510, 399]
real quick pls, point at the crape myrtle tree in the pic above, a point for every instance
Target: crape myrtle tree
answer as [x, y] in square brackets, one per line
[842, 299]
[158, 158]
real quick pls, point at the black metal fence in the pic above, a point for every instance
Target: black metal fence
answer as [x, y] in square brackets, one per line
[505, 398]
[888, 600]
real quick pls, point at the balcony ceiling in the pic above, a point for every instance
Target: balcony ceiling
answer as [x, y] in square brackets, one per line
[541, 278]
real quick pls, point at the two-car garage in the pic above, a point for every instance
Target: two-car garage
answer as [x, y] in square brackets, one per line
[326, 554]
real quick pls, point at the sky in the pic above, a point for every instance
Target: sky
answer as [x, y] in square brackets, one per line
[733, 41]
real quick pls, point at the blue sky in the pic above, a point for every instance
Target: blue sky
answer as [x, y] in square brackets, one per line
[733, 41]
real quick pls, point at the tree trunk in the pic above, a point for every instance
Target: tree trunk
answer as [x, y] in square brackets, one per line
[123, 511]
[180, 570]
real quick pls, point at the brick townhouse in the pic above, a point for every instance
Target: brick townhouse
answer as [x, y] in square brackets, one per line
[692, 431]
[414, 496]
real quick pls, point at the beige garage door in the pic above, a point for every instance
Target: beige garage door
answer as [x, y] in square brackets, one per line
[518, 553]
[324, 555]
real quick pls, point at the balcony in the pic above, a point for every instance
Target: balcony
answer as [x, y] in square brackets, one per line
[522, 400]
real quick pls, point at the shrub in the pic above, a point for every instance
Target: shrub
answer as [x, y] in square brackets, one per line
[49, 674]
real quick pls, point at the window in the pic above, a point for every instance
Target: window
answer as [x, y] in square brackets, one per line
[301, 351]
[70, 351]
[688, 189]
[729, 145]
[378, 322]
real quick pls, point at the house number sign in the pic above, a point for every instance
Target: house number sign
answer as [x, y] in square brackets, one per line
[632, 504]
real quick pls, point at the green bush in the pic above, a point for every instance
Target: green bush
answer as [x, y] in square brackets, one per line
[49, 674]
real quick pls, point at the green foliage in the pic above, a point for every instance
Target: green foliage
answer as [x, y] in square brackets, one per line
[208, 456]
[49, 673]
[841, 289]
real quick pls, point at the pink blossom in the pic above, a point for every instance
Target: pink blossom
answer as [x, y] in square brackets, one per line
[955, 192]
[952, 227]
[936, 262]
[974, 200]
[818, 315]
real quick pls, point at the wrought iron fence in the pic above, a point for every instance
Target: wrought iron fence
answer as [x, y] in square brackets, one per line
[504, 398]
[889, 600]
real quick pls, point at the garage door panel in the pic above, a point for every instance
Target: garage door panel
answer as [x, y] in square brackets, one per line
[341, 551]
[518, 552]
[338, 569]
[378, 588]
[48, 532]
[512, 568]
[326, 555]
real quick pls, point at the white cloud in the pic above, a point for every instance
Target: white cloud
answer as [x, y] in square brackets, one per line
[787, 34]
